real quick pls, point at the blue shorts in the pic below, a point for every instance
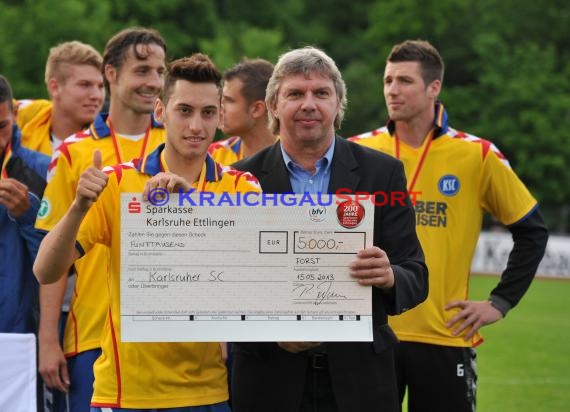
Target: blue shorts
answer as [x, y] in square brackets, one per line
[81, 379]
[217, 407]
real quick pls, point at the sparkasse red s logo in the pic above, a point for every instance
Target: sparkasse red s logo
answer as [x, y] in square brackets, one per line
[134, 206]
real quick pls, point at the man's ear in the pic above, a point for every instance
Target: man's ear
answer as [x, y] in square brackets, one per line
[434, 89]
[52, 88]
[159, 109]
[258, 109]
[110, 73]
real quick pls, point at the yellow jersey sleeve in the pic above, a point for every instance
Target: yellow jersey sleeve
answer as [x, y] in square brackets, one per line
[228, 151]
[59, 192]
[36, 133]
[503, 194]
[234, 181]
[27, 109]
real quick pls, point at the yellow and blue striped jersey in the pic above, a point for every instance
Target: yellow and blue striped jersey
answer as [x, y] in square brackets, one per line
[227, 151]
[27, 109]
[88, 305]
[461, 177]
[152, 375]
[34, 121]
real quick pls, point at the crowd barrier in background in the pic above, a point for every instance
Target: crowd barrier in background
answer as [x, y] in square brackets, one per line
[493, 250]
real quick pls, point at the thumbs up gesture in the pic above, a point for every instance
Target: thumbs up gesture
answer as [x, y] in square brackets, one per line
[98, 160]
[91, 183]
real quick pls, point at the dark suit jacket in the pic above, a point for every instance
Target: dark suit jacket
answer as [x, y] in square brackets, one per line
[268, 378]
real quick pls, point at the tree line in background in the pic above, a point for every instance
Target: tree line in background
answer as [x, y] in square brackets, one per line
[507, 62]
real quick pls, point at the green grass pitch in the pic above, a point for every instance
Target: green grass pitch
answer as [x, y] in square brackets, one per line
[524, 363]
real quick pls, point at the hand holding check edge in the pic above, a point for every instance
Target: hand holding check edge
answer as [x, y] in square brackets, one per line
[372, 268]
[168, 181]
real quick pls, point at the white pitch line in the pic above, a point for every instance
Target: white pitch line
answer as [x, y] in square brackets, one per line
[525, 381]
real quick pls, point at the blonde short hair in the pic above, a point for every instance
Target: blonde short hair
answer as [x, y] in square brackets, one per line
[70, 53]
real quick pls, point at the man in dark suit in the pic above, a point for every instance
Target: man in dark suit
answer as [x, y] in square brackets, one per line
[306, 99]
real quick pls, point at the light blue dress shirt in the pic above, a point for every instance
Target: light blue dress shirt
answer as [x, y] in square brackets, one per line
[302, 181]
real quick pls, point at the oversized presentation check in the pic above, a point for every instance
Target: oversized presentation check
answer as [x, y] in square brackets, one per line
[220, 272]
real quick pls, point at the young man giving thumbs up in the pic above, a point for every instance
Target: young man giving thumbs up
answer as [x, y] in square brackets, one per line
[173, 376]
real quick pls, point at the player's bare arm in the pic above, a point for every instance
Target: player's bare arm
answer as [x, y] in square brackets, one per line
[52, 364]
[57, 251]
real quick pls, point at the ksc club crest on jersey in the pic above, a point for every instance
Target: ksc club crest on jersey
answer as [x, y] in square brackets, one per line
[448, 185]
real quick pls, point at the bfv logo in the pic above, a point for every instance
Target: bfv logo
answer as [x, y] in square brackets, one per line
[448, 185]
[317, 213]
